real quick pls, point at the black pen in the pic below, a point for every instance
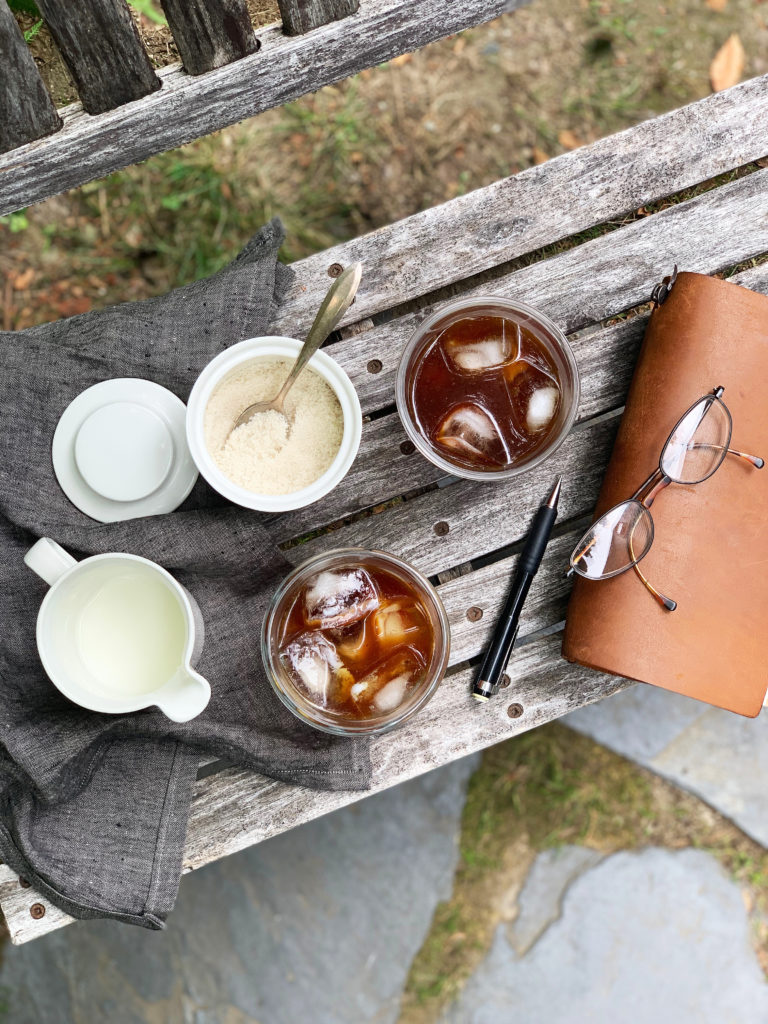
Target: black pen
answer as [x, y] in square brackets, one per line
[505, 634]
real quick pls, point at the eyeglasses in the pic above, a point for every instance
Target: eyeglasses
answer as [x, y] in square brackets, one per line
[623, 536]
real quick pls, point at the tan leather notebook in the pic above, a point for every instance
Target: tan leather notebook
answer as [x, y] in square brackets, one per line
[710, 550]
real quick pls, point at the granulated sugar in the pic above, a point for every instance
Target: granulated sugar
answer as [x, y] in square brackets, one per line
[259, 456]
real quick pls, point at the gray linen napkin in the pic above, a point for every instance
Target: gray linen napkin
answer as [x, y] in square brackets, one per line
[93, 808]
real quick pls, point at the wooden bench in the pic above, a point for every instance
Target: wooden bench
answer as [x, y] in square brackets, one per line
[597, 287]
[129, 112]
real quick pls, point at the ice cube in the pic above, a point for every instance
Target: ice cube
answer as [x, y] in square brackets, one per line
[394, 621]
[391, 694]
[479, 344]
[339, 598]
[352, 641]
[470, 431]
[404, 666]
[541, 408]
[313, 663]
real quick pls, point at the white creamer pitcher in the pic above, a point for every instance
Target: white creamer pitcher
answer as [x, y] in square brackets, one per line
[117, 633]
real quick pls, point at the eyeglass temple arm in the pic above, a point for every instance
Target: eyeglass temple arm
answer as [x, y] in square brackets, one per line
[665, 602]
[657, 481]
[756, 461]
[662, 599]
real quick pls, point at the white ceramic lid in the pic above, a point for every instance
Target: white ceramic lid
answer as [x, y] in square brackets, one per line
[120, 451]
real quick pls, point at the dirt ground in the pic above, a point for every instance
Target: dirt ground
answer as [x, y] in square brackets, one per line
[396, 139]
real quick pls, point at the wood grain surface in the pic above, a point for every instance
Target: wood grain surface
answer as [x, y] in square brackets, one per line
[301, 16]
[102, 49]
[210, 33]
[26, 110]
[587, 186]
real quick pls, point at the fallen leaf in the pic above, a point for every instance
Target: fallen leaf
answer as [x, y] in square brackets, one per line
[728, 64]
[539, 156]
[459, 45]
[716, 5]
[404, 58]
[23, 279]
[72, 307]
[568, 140]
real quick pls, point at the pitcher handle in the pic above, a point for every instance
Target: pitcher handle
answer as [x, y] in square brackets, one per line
[49, 560]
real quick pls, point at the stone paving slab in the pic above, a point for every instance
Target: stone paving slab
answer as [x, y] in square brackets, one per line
[655, 937]
[719, 756]
[318, 925]
[539, 903]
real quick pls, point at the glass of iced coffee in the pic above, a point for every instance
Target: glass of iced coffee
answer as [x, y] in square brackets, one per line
[355, 641]
[487, 387]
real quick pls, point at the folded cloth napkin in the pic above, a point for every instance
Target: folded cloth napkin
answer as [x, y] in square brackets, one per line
[93, 808]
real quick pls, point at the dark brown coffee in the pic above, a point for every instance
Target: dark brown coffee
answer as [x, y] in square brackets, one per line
[356, 640]
[484, 391]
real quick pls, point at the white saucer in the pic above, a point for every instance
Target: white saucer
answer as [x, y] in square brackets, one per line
[120, 451]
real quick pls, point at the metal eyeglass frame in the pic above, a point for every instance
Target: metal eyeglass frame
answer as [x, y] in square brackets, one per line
[652, 487]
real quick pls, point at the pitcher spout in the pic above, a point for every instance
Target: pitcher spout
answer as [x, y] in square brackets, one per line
[184, 696]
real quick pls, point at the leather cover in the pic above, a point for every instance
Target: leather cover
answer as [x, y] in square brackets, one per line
[710, 550]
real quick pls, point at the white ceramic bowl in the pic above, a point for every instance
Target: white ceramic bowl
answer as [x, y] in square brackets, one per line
[261, 349]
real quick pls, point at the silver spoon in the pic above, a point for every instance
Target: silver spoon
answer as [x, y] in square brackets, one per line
[335, 304]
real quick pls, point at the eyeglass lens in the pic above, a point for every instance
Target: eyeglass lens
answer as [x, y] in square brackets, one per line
[615, 542]
[698, 444]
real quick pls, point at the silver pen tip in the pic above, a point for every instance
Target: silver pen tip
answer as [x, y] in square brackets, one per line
[554, 494]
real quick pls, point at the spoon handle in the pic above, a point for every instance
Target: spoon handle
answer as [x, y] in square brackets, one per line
[335, 304]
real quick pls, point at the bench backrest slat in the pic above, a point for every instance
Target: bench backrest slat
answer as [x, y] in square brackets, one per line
[102, 49]
[301, 16]
[210, 33]
[26, 110]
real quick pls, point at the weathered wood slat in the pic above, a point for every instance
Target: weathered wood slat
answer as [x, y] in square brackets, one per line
[191, 106]
[237, 809]
[591, 185]
[26, 110]
[210, 33]
[301, 16]
[102, 49]
[478, 519]
[593, 281]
